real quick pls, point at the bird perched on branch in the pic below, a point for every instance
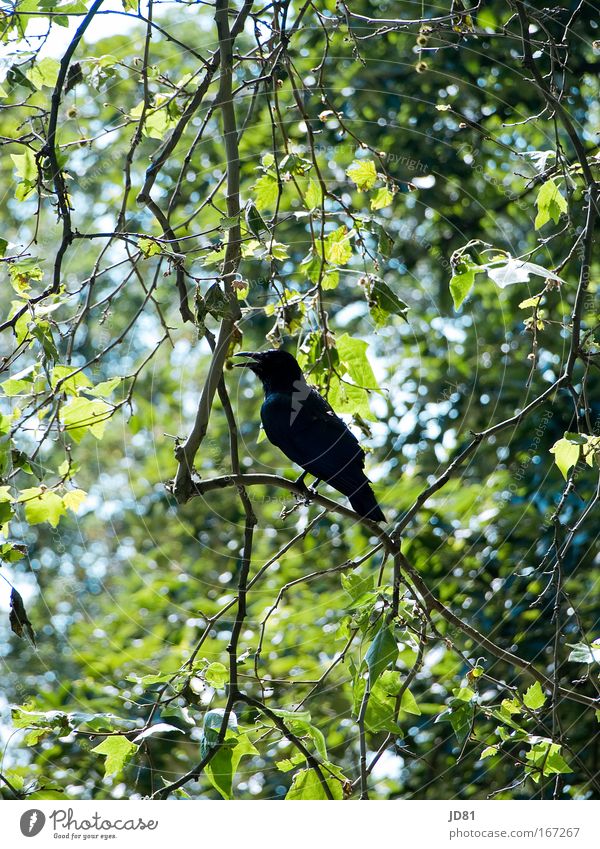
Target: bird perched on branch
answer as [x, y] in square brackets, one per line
[303, 425]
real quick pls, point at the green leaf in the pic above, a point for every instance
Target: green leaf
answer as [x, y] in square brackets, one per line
[566, 454]
[464, 694]
[385, 243]
[266, 191]
[278, 251]
[330, 280]
[73, 499]
[42, 331]
[53, 719]
[216, 675]
[288, 764]
[118, 751]
[70, 385]
[254, 220]
[382, 653]
[220, 769]
[338, 247]
[390, 682]
[12, 553]
[460, 714]
[545, 758]
[550, 204]
[534, 698]
[157, 730]
[149, 247]
[488, 752]
[42, 505]
[357, 586]
[510, 707]
[157, 119]
[313, 197]
[307, 786]
[349, 399]
[211, 726]
[363, 173]
[353, 357]
[44, 73]
[20, 383]
[25, 165]
[460, 286]
[106, 388]
[6, 510]
[224, 764]
[292, 715]
[531, 302]
[382, 301]
[409, 703]
[292, 163]
[23, 273]
[381, 709]
[82, 415]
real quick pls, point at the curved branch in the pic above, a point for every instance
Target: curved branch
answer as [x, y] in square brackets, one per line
[392, 544]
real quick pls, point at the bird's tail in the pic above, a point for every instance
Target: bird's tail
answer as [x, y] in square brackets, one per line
[364, 502]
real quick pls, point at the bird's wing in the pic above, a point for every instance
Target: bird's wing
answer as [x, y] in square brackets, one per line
[304, 426]
[326, 443]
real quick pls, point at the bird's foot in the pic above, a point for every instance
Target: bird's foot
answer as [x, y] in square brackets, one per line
[304, 496]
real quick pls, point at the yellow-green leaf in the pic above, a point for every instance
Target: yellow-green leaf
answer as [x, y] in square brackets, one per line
[25, 165]
[82, 415]
[74, 498]
[266, 191]
[307, 785]
[149, 247]
[313, 197]
[566, 455]
[363, 173]
[42, 505]
[461, 285]
[338, 248]
[382, 197]
[409, 703]
[534, 698]
[44, 73]
[70, 385]
[550, 204]
[117, 751]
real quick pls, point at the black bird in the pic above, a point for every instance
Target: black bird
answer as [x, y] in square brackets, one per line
[303, 425]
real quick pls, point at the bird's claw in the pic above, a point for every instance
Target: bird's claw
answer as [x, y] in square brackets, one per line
[304, 497]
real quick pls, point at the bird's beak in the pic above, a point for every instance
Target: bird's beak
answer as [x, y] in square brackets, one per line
[254, 359]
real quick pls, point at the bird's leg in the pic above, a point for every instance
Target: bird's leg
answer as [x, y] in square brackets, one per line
[304, 497]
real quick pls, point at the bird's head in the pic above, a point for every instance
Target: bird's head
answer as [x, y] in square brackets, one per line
[277, 369]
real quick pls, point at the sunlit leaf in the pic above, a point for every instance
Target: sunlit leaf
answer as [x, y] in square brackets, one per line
[118, 751]
[550, 204]
[363, 173]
